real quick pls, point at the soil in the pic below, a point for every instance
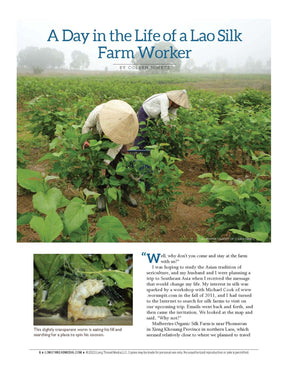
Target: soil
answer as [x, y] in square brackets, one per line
[186, 219]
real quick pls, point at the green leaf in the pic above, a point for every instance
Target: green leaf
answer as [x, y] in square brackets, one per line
[141, 185]
[120, 169]
[98, 300]
[80, 264]
[51, 177]
[95, 143]
[108, 259]
[247, 186]
[29, 179]
[77, 182]
[48, 228]
[251, 208]
[58, 294]
[244, 195]
[221, 188]
[49, 156]
[49, 264]
[38, 291]
[24, 218]
[260, 198]
[223, 150]
[225, 176]
[111, 229]
[123, 280]
[201, 238]
[120, 262]
[203, 176]
[79, 235]
[258, 236]
[55, 141]
[205, 188]
[76, 213]
[49, 201]
[113, 193]
[250, 168]
[230, 210]
[262, 226]
[120, 307]
[224, 193]
[89, 193]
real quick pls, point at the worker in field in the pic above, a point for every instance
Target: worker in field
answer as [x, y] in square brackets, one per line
[118, 121]
[163, 105]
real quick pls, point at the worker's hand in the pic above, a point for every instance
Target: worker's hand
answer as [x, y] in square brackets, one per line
[86, 144]
[103, 172]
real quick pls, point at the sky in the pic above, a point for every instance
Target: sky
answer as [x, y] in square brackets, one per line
[234, 40]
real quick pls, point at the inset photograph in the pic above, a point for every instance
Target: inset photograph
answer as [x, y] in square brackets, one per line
[83, 289]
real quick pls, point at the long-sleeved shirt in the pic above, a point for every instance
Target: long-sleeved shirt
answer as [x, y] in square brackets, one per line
[158, 105]
[92, 124]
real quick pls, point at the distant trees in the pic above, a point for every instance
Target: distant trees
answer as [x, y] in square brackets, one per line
[39, 59]
[256, 66]
[79, 60]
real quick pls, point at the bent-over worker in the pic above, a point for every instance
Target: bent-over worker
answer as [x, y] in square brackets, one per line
[118, 121]
[163, 105]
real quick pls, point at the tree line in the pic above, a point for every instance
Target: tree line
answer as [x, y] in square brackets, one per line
[40, 59]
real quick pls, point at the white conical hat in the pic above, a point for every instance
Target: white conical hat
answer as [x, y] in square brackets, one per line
[119, 122]
[180, 98]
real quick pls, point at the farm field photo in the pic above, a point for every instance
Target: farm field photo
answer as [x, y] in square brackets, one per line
[205, 178]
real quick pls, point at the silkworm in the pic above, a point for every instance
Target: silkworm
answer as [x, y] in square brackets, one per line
[77, 309]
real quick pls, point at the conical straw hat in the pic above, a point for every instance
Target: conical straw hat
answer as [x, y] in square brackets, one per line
[180, 98]
[119, 122]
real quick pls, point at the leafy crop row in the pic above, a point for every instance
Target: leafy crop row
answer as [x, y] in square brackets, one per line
[241, 207]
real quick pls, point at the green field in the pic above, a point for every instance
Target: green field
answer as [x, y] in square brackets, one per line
[211, 179]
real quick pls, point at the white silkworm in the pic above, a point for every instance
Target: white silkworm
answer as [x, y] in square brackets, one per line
[77, 309]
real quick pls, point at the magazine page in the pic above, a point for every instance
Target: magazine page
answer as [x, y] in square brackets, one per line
[143, 186]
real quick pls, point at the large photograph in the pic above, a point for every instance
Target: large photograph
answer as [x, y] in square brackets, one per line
[142, 134]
